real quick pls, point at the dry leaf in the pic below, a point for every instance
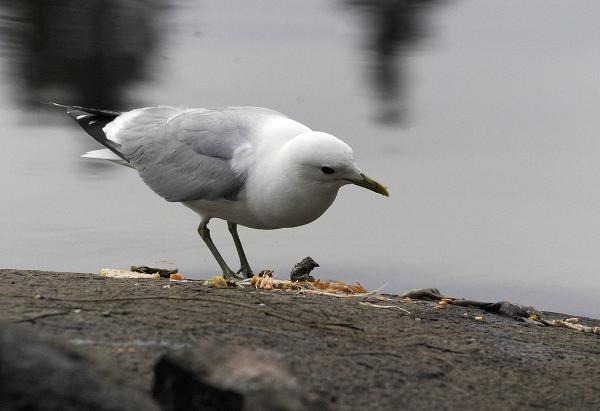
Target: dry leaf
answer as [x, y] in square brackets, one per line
[269, 283]
[337, 286]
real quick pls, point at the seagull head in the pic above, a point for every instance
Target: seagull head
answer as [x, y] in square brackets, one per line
[324, 159]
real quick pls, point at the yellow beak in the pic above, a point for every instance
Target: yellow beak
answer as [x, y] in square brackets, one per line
[371, 184]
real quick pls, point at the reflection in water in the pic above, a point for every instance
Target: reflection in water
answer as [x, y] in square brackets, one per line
[85, 52]
[394, 26]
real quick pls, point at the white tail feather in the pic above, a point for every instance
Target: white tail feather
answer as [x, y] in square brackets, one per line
[105, 154]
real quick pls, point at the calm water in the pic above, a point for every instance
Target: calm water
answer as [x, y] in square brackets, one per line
[481, 117]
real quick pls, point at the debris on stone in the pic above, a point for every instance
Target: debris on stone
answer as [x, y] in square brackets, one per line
[368, 304]
[572, 324]
[267, 282]
[430, 294]
[573, 320]
[141, 272]
[116, 273]
[301, 271]
[216, 282]
[503, 307]
[519, 312]
[163, 272]
[335, 288]
[338, 287]
[266, 273]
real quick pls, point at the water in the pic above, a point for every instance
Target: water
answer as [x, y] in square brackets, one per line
[481, 117]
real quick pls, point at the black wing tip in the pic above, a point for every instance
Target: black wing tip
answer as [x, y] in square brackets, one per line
[95, 111]
[55, 104]
[81, 117]
[93, 120]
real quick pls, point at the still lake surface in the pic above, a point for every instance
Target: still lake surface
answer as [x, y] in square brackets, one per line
[481, 117]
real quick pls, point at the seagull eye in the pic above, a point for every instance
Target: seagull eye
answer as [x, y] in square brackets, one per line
[327, 170]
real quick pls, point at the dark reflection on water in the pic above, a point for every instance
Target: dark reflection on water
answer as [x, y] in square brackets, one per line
[92, 52]
[394, 27]
[87, 52]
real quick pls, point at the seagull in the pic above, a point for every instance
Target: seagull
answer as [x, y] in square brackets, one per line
[249, 166]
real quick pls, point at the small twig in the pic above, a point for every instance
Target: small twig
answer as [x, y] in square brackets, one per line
[368, 304]
[318, 292]
[42, 315]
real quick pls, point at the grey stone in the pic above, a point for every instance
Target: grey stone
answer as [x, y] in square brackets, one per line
[216, 377]
[37, 374]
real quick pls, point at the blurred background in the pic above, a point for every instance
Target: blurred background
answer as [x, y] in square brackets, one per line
[481, 118]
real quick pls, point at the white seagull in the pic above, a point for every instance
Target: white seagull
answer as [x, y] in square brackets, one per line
[247, 165]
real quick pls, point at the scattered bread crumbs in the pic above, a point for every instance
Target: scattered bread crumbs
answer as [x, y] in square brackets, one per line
[216, 282]
[317, 287]
[116, 273]
[573, 320]
[267, 282]
[337, 287]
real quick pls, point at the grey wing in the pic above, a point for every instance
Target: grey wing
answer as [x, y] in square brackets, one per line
[191, 155]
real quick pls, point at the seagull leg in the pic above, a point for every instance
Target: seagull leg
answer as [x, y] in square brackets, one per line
[245, 270]
[204, 232]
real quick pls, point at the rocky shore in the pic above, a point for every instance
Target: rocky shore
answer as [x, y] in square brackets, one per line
[169, 345]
